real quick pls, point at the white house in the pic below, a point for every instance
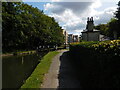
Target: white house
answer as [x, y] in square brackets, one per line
[65, 36]
[70, 38]
[90, 34]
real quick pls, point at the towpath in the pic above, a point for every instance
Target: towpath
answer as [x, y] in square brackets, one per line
[61, 73]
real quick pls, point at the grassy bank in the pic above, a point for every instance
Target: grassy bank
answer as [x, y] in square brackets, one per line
[36, 78]
[18, 53]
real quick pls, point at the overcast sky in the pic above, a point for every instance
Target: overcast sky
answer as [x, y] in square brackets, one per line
[72, 16]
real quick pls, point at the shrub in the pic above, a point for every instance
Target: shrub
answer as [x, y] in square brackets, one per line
[98, 63]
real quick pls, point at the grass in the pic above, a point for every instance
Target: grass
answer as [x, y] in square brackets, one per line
[18, 52]
[24, 52]
[36, 78]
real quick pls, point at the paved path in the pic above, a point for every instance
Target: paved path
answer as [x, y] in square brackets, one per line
[61, 73]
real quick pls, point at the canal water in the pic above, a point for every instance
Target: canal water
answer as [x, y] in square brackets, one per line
[16, 69]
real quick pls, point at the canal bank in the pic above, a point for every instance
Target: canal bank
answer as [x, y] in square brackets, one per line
[17, 68]
[36, 78]
[18, 53]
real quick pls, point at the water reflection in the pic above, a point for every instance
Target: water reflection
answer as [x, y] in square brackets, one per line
[16, 69]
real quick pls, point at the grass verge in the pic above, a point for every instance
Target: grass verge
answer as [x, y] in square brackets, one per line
[36, 78]
[18, 53]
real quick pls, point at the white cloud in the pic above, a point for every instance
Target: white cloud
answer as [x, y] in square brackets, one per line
[105, 15]
[55, 0]
[48, 6]
[96, 4]
[59, 0]
[72, 16]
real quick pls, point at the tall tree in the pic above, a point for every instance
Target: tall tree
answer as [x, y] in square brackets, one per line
[103, 28]
[117, 13]
[113, 28]
[26, 27]
[117, 16]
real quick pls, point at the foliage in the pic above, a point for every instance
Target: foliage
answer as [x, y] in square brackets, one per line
[117, 13]
[104, 47]
[26, 27]
[112, 26]
[98, 63]
[36, 78]
[110, 47]
[79, 46]
[117, 16]
[103, 28]
[109, 28]
[84, 43]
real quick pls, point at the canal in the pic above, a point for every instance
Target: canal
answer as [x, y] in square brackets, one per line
[16, 69]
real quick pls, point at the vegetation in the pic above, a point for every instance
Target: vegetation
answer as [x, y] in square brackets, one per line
[117, 16]
[97, 63]
[36, 78]
[103, 29]
[111, 48]
[26, 28]
[109, 28]
[112, 27]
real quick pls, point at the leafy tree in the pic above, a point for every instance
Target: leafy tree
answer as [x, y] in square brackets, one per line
[103, 28]
[117, 16]
[109, 28]
[26, 27]
[117, 13]
[112, 27]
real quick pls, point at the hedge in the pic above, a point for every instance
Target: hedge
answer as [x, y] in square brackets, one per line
[98, 63]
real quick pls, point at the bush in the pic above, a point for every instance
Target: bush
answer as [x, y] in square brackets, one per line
[98, 63]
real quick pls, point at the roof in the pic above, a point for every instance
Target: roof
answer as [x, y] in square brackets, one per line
[94, 30]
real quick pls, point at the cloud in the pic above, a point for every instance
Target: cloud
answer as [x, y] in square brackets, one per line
[105, 15]
[75, 7]
[72, 16]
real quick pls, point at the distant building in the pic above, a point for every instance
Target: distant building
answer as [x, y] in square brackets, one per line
[65, 36]
[75, 38]
[90, 34]
[70, 38]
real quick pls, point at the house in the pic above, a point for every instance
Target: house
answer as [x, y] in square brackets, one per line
[65, 36]
[75, 38]
[70, 38]
[90, 34]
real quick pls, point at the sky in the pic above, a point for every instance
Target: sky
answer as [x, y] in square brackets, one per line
[72, 16]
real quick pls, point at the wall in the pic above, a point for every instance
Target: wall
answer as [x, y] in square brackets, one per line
[90, 26]
[91, 36]
[84, 36]
[70, 38]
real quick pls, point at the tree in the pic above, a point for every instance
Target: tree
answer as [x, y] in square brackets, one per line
[103, 28]
[117, 16]
[110, 29]
[117, 13]
[113, 28]
[26, 27]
